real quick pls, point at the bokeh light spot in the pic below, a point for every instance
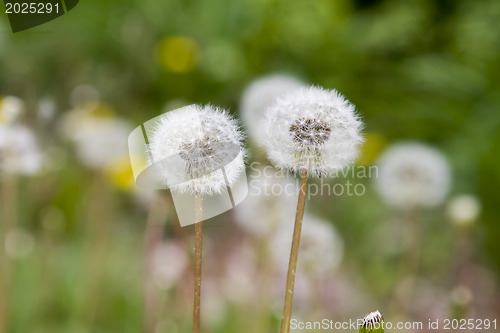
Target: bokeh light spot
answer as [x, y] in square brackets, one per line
[177, 54]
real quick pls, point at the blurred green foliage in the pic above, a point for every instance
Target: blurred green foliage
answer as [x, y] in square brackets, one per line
[419, 69]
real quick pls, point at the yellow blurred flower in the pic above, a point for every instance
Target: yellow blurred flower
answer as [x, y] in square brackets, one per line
[177, 54]
[98, 109]
[372, 147]
[120, 174]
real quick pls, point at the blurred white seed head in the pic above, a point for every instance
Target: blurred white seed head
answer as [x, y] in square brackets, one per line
[11, 108]
[19, 151]
[321, 247]
[266, 207]
[260, 94]
[199, 136]
[413, 174]
[462, 295]
[463, 209]
[312, 129]
[100, 139]
[46, 109]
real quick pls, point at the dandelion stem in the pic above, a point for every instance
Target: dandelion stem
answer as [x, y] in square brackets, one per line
[198, 235]
[294, 253]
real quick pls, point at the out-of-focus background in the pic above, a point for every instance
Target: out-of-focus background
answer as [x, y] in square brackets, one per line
[85, 250]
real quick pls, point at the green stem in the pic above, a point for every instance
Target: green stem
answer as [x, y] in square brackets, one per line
[294, 253]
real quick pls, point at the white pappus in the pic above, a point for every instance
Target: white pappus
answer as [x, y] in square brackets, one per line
[197, 144]
[312, 129]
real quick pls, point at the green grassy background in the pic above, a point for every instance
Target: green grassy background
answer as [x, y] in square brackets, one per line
[419, 69]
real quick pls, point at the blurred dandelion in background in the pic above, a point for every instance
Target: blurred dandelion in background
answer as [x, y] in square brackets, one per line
[83, 247]
[259, 95]
[19, 151]
[100, 138]
[413, 175]
[463, 209]
[266, 207]
[321, 247]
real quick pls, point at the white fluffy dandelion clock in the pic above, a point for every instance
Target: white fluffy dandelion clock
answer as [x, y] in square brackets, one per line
[199, 148]
[311, 131]
[192, 150]
[413, 175]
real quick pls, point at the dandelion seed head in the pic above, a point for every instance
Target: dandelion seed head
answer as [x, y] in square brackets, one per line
[100, 139]
[312, 129]
[204, 138]
[413, 174]
[463, 209]
[19, 151]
